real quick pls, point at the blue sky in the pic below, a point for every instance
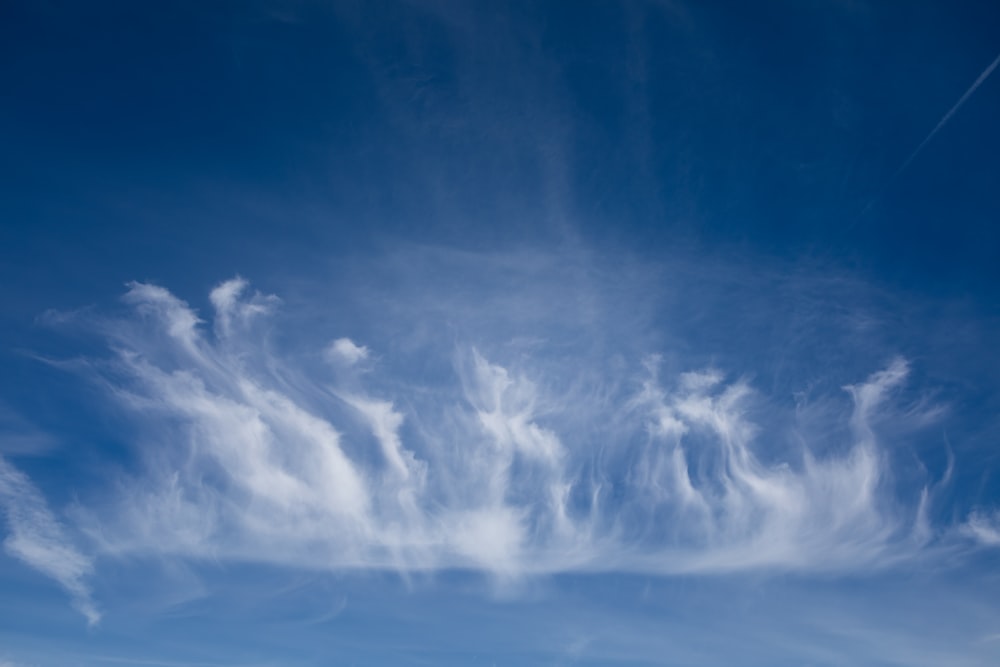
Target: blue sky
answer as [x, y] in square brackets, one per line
[442, 333]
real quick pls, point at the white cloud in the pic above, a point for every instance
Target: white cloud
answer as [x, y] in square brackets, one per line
[38, 539]
[506, 470]
[984, 528]
[346, 351]
[385, 422]
[231, 311]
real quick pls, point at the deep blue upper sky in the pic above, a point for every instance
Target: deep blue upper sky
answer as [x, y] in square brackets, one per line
[646, 331]
[768, 127]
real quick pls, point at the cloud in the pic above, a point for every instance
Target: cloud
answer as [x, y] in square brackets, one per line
[38, 539]
[345, 351]
[984, 528]
[231, 310]
[529, 467]
[20, 437]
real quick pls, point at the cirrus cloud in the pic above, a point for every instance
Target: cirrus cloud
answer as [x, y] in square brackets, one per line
[247, 456]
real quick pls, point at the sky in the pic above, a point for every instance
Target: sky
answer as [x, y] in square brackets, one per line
[424, 332]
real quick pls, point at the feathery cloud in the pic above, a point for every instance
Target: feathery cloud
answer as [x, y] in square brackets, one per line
[493, 470]
[38, 539]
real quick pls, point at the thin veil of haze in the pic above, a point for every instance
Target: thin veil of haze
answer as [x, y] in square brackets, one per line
[430, 332]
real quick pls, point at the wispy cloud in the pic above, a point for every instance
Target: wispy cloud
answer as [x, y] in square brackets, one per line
[20, 437]
[510, 469]
[38, 539]
[984, 528]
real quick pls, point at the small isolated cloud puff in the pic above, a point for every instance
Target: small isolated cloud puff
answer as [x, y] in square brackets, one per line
[345, 351]
[494, 471]
[38, 539]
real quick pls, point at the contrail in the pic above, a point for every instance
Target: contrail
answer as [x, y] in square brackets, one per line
[951, 112]
[937, 128]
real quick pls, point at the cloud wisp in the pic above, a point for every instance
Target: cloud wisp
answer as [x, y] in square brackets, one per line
[38, 539]
[499, 468]
[984, 528]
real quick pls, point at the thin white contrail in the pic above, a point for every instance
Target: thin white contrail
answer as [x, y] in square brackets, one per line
[951, 112]
[937, 128]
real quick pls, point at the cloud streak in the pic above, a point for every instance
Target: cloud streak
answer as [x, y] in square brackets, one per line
[38, 539]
